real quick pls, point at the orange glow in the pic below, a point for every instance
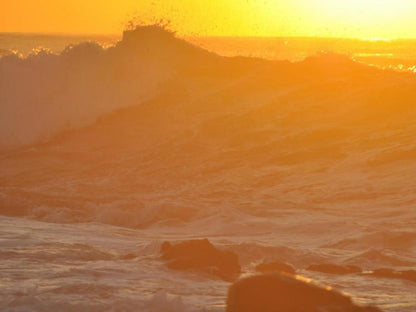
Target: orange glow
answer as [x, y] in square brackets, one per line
[298, 161]
[323, 18]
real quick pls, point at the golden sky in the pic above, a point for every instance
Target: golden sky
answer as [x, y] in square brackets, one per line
[324, 18]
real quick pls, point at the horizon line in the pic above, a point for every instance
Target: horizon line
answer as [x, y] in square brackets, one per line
[80, 34]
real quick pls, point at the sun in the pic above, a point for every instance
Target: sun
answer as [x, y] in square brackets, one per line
[378, 9]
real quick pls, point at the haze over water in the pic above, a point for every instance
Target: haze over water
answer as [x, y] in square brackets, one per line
[395, 54]
[111, 151]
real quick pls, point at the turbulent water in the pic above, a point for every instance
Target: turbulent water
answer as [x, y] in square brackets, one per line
[109, 152]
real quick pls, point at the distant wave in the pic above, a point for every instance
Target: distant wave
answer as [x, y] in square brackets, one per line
[4, 52]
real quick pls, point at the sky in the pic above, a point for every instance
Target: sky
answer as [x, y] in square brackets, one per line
[389, 19]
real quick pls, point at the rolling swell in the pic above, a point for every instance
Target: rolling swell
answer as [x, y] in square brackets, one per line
[155, 131]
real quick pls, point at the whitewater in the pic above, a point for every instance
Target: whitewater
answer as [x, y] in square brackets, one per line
[107, 152]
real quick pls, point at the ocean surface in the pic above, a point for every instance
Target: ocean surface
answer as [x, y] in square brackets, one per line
[288, 149]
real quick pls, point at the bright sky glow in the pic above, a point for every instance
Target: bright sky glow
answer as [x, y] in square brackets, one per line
[324, 18]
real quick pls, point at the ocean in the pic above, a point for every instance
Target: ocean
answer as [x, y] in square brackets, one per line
[297, 150]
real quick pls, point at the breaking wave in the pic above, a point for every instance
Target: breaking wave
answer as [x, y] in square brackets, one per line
[44, 93]
[157, 131]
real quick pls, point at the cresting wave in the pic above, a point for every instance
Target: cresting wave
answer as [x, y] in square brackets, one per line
[45, 94]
